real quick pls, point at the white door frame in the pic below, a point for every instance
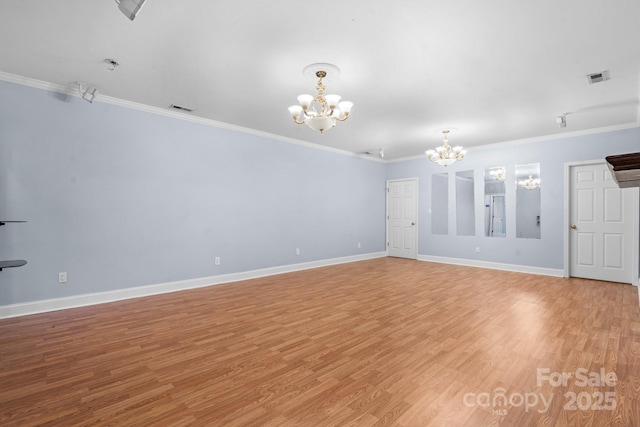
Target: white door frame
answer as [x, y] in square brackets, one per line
[389, 181]
[635, 233]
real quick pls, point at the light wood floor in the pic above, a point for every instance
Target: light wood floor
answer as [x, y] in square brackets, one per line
[380, 342]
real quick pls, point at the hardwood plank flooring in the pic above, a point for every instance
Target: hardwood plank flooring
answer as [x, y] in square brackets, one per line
[385, 342]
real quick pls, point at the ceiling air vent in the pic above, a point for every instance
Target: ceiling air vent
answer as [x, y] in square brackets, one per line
[180, 108]
[598, 77]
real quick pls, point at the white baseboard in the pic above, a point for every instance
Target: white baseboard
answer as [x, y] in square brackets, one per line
[494, 265]
[43, 306]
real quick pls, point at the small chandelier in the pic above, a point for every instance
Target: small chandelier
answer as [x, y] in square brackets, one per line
[329, 106]
[445, 155]
[530, 183]
[499, 174]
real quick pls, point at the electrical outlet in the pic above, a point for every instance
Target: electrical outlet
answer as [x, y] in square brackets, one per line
[477, 249]
[359, 245]
[217, 260]
[297, 251]
[62, 277]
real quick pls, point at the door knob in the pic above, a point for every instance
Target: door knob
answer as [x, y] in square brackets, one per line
[413, 223]
[573, 227]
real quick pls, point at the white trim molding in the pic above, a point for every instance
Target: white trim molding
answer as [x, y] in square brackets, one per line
[551, 137]
[69, 90]
[555, 272]
[43, 306]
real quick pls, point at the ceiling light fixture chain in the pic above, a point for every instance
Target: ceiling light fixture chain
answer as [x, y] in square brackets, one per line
[320, 87]
[331, 109]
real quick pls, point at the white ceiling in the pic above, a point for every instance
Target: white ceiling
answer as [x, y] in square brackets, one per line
[497, 71]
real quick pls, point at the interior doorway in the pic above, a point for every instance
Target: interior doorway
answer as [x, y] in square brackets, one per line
[601, 226]
[402, 218]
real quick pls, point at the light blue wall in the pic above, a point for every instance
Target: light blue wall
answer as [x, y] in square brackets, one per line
[120, 198]
[552, 155]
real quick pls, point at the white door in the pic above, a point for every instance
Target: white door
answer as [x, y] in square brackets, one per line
[402, 212]
[601, 225]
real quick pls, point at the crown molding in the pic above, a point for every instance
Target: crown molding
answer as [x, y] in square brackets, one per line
[106, 99]
[64, 89]
[553, 137]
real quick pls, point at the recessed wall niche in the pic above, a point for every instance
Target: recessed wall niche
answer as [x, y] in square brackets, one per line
[495, 221]
[440, 203]
[528, 201]
[465, 204]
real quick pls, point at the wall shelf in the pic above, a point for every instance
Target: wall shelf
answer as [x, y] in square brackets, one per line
[15, 262]
[12, 263]
[625, 169]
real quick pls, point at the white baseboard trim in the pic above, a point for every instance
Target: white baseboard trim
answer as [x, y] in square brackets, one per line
[555, 272]
[43, 306]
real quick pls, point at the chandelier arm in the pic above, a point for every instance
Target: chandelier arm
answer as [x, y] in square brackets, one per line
[338, 118]
[310, 108]
[313, 108]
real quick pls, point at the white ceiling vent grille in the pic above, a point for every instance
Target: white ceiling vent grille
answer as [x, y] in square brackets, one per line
[180, 108]
[598, 77]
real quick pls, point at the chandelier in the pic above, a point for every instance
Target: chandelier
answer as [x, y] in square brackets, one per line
[499, 174]
[322, 111]
[445, 155]
[530, 183]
